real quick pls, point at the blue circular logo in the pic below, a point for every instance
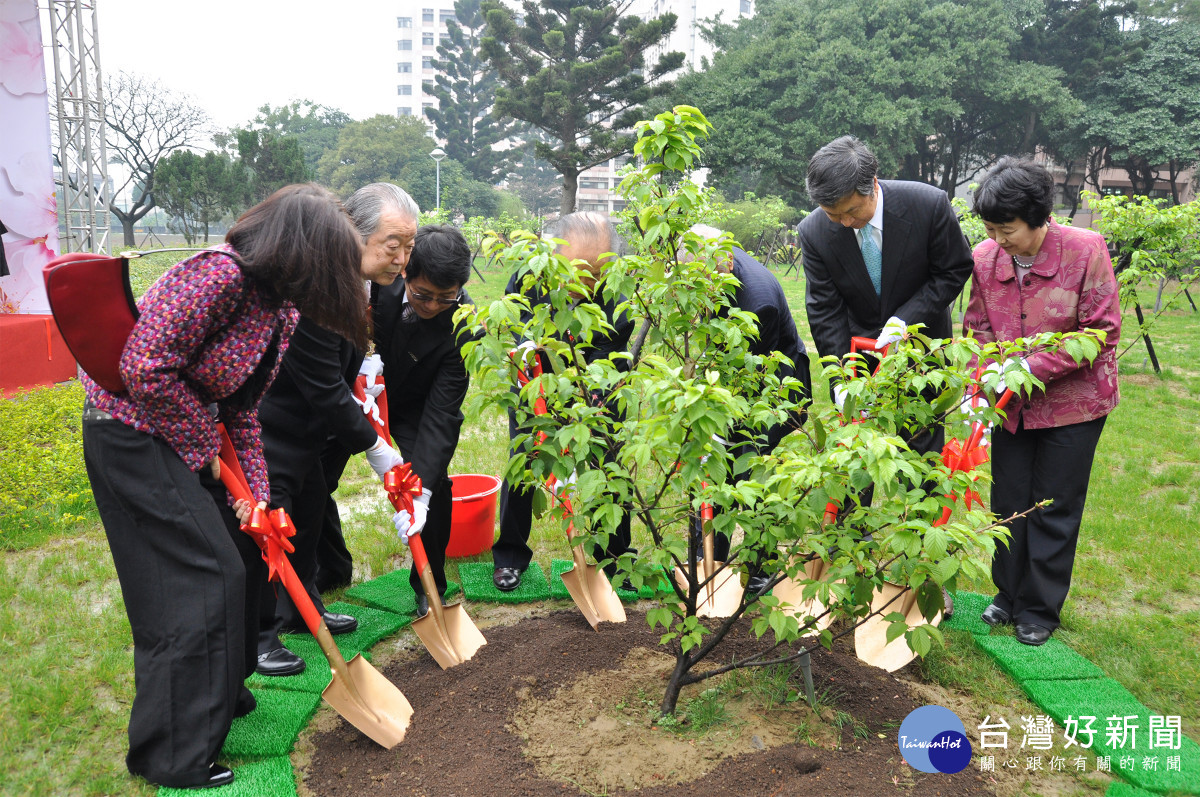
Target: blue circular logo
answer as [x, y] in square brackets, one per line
[933, 739]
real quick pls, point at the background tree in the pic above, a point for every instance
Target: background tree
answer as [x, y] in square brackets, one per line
[576, 69]
[315, 126]
[199, 190]
[269, 161]
[535, 181]
[466, 91]
[146, 123]
[1148, 114]
[937, 91]
[396, 149]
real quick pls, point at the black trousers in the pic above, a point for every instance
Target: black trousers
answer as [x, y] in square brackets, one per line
[335, 564]
[1033, 573]
[183, 579]
[298, 486]
[516, 519]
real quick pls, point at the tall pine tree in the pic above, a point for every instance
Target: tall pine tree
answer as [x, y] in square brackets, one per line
[577, 70]
[466, 90]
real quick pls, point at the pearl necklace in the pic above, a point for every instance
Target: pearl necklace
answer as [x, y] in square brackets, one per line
[1022, 262]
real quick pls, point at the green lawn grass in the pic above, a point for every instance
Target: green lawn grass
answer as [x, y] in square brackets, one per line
[1134, 607]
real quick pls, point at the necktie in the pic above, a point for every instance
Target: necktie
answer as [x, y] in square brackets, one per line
[408, 314]
[872, 257]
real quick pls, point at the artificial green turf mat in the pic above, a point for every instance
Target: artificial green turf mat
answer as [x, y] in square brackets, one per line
[1052, 661]
[477, 584]
[1119, 789]
[968, 606]
[272, 776]
[1103, 698]
[559, 590]
[271, 729]
[373, 624]
[392, 593]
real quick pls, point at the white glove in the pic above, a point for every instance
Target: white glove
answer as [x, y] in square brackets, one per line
[839, 396]
[369, 407]
[973, 404]
[372, 369]
[382, 457]
[408, 525]
[994, 373]
[561, 487]
[893, 331]
[522, 352]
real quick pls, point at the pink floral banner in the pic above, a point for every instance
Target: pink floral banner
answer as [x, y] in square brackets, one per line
[27, 204]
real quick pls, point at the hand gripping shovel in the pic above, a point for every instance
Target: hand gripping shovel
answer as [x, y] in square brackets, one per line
[446, 631]
[357, 691]
[587, 585]
[720, 589]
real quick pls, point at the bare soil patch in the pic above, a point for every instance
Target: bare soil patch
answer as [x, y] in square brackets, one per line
[551, 707]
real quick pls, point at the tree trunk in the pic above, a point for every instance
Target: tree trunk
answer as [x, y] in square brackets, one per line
[570, 188]
[674, 685]
[127, 223]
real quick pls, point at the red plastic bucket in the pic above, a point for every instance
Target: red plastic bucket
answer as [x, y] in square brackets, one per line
[473, 517]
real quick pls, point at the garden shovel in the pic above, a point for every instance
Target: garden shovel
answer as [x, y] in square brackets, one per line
[446, 631]
[721, 590]
[357, 691]
[870, 638]
[790, 592]
[591, 590]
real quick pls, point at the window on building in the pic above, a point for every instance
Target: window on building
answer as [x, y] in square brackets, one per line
[520, 19]
[426, 105]
[618, 205]
[404, 44]
[427, 39]
[427, 62]
[747, 6]
[404, 67]
[594, 206]
[443, 38]
[427, 15]
[403, 22]
[445, 15]
[405, 111]
[601, 184]
[405, 89]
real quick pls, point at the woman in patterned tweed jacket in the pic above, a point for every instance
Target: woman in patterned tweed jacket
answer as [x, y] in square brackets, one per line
[1036, 276]
[208, 342]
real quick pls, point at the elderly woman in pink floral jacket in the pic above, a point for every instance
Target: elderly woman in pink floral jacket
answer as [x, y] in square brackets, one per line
[1035, 276]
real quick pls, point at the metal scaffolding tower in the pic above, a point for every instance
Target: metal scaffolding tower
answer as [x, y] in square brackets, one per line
[84, 194]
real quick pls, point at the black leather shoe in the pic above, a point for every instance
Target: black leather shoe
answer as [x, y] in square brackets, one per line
[993, 615]
[246, 702]
[1032, 634]
[757, 583]
[280, 661]
[339, 623]
[217, 776]
[423, 604]
[506, 579]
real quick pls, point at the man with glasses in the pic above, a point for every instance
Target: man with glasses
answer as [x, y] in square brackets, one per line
[425, 377]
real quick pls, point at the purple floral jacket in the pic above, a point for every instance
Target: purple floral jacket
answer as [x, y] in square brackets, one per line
[1070, 287]
[202, 331]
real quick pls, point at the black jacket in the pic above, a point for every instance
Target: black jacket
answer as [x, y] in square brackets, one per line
[426, 381]
[926, 262]
[760, 293]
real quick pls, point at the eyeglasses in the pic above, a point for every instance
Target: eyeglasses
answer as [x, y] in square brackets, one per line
[413, 296]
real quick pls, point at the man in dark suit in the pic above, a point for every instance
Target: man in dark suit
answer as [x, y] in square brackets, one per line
[760, 293]
[309, 411]
[426, 379]
[879, 256]
[589, 238]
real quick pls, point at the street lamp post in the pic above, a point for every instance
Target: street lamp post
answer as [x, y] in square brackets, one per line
[437, 155]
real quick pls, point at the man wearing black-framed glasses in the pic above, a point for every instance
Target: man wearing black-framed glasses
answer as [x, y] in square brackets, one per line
[426, 380]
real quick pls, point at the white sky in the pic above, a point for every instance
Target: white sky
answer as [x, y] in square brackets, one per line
[233, 56]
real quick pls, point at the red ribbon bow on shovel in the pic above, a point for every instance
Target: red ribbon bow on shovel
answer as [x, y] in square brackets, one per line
[269, 530]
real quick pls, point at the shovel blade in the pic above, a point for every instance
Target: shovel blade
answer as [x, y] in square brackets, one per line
[383, 713]
[721, 596]
[453, 644]
[790, 591]
[870, 638]
[594, 595]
